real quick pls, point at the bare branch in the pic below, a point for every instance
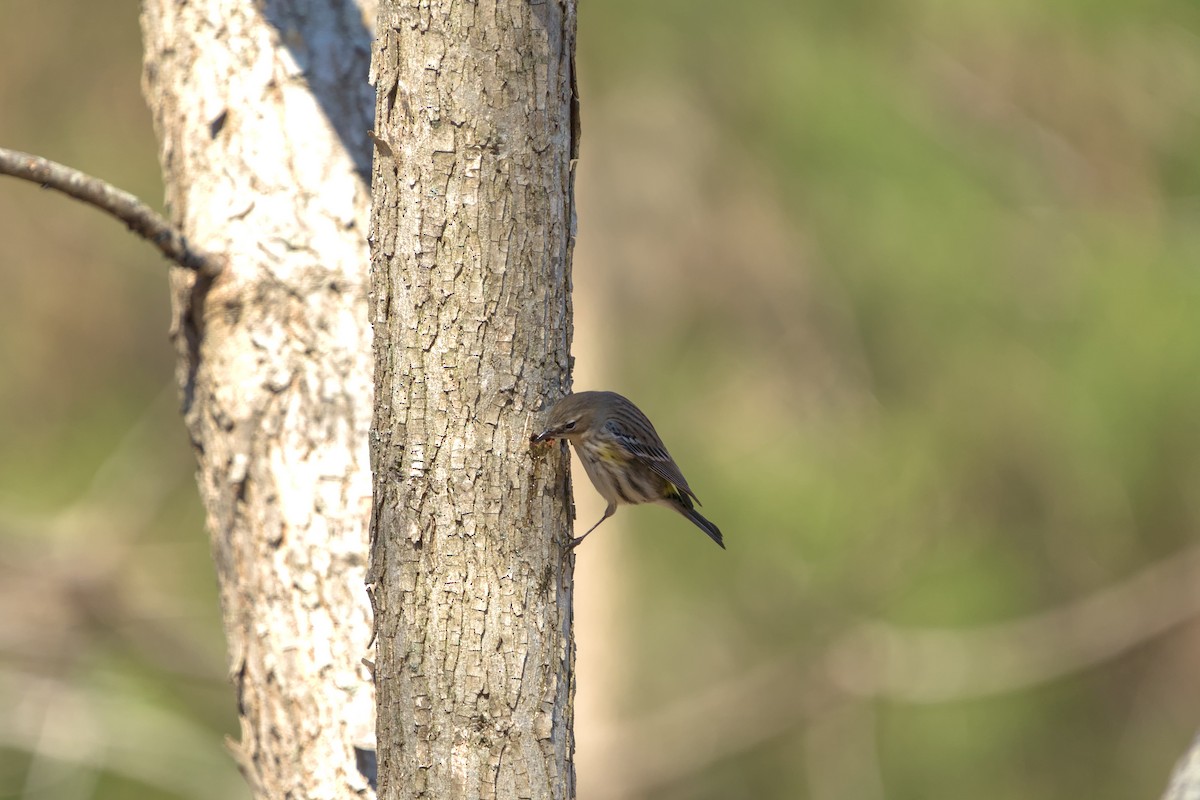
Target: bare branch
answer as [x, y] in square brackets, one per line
[139, 217]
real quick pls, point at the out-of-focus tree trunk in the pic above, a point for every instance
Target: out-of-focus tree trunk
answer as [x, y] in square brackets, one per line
[472, 231]
[262, 111]
[1185, 780]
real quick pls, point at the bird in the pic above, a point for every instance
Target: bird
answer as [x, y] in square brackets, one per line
[623, 455]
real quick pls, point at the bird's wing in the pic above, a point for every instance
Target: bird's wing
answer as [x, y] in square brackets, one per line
[653, 454]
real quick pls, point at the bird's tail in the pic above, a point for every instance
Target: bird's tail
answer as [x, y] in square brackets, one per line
[683, 504]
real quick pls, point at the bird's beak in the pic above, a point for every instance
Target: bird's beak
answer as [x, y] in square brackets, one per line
[541, 437]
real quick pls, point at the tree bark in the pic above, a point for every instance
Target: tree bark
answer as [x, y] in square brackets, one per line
[472, 230]
[262, 111]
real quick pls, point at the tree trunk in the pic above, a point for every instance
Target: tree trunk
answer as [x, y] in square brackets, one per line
[472, 230]
[1185, 780]
[262, 111]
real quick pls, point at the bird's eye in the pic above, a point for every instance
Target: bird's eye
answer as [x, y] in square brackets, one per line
[570, 426]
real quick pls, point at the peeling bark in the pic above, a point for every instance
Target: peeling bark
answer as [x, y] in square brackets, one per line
[472, 230]
[262, 110]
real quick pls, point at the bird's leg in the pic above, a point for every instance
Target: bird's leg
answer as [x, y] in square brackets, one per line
[608, 512]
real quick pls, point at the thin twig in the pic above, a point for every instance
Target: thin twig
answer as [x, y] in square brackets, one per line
[139, 217]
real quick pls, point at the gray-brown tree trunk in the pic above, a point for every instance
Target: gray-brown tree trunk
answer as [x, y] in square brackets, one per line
[471, 245]
[262, 111]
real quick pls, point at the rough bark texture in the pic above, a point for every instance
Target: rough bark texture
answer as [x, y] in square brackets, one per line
[471, 242]
[262, 111]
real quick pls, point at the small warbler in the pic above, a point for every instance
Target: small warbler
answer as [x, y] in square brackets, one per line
[623, 455]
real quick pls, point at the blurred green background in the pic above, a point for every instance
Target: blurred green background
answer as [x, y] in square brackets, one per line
[911, 290]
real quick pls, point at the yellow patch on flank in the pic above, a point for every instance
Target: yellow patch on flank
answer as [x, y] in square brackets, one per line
[611, 453]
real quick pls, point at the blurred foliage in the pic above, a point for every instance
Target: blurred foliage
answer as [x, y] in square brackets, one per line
[112, 671]
[945, 378]
[909, 288]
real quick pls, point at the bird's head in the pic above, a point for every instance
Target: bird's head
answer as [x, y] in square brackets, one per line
[569, 417]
